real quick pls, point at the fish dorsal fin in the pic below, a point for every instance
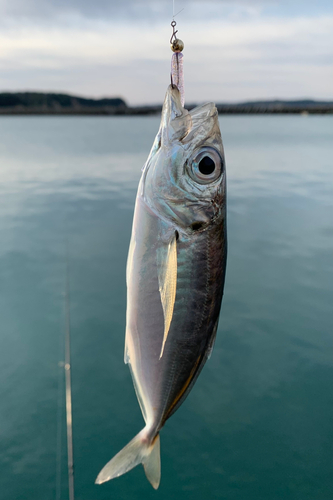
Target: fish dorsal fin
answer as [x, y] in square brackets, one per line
[167, 280]
[212, 341]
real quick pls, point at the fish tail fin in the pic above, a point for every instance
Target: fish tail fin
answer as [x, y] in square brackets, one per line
[152, 463]
[141, 450]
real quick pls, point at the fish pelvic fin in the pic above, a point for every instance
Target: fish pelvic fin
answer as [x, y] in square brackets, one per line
[141, 450]
[168, 287]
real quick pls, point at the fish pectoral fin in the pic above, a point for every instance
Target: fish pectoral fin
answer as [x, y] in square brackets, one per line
[167, 280]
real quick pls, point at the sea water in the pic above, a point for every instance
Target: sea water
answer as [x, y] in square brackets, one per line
[258, 423]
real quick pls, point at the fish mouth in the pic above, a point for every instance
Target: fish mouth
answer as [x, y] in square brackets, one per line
[173, 107]
[204, 123]
[177, 123]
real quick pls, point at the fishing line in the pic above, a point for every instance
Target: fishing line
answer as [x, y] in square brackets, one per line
[173, 10]
[59, 419]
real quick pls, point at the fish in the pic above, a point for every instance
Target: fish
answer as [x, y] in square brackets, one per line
[175, 273]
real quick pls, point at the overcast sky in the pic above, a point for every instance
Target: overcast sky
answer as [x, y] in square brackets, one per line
[234, 50]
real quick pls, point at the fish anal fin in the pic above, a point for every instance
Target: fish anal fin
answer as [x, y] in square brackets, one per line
[126, 354]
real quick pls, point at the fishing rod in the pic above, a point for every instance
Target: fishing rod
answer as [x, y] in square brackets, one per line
[68, 381]
[65, 353]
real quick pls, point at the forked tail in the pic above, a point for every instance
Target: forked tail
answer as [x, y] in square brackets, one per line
[141, 450]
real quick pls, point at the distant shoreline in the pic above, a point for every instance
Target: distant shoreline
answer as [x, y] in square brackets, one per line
[38, 103]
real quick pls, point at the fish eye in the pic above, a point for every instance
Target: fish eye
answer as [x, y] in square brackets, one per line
[206, 166]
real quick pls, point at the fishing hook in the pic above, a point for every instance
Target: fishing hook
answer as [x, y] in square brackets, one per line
[173, 24]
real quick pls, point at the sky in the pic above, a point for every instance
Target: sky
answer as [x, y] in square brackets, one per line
[234, 51]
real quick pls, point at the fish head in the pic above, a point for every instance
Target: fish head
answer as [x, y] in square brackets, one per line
[184, 177]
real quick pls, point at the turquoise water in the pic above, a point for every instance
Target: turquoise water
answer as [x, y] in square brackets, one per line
[258, 423]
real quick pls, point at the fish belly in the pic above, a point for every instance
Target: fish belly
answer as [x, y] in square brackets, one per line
[162, 382]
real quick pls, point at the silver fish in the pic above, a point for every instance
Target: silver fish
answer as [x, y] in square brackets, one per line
[175, 273]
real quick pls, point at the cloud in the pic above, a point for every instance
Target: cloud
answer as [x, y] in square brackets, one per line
[108, 9]
[66, 11]
[243, 54]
